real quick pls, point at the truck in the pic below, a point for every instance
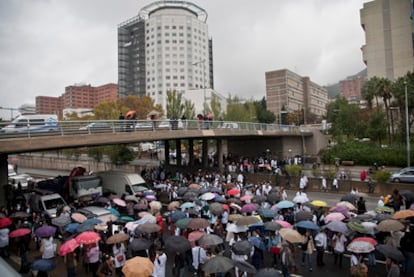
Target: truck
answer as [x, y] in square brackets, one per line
[120, 182]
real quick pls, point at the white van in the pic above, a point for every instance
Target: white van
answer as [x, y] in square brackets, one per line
[120, 182]
[32, 123]
[46, 202]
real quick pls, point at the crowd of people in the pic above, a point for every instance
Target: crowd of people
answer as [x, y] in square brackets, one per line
[247, 223]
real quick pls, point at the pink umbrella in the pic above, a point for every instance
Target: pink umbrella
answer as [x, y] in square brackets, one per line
[19, 232]
[68, 247]
[334, 217]
[248, 208]
[246, 197]
[119, 202]
[150, 197]
[339, 209]
[78, 217]
[194, 236]
[88, 237]
[283, 223]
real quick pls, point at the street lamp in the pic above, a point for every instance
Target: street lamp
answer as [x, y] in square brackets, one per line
[407, 127]
[204, 82]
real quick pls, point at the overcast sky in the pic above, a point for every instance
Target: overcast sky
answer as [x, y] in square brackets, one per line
[46, 45]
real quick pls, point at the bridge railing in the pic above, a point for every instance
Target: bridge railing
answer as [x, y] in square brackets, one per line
[74, 127]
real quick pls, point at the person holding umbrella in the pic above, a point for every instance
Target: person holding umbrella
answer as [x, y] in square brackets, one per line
[339, 240]
[179, 263]
[307, 248]
[321, 241]
[393, 268]
[160, 263]
[118, 250]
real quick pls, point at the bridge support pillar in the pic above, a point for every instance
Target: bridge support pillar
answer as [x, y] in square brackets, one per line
[178, 152]
[220, 155]
[205, 153]
[167, 152]
[191, 152]
[4, 173]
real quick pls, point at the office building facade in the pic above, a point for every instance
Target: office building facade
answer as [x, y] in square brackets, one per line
[289, 92]
[165, 47]
[388, 51]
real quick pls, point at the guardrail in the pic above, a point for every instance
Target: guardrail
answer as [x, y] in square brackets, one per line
[118, 126]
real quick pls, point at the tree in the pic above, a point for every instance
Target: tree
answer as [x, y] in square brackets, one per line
[215, 107]
[120, 154]
[399, 97]
[189, 110]
[263, 115]
[237, 111]
[377, 126]
[175, 107]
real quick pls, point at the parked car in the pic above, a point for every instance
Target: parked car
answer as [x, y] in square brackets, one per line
[405, 175]
[97, 127]
[97, 212]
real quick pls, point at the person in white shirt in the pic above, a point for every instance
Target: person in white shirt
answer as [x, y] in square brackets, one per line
[199, 258]
[381, 202]
[160, 263]
[339, 240]
[48, 248]
[335, 184]
[321, 242]
[324, 185]
[4, 242]
[118, 251]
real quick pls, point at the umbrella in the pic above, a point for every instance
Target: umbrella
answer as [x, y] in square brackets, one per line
[198, 223]
[141, 207]
[247, 220]
[119, 202]
[245, 267]
[5, 221]
[138, 267]
[150, 197]
[125, 218]
[43, 265]
[268, 272]
[220, 199]
[88, 237]
[45, 231]
[92, 221]
[19, 232]
[235, 217]
[384, 209]
[272, 226]
[149, 228]
[267, 213]
[285, 204]
[207, 196]
[68, 247]
[71, 228]
[360, 246]
[334, 217]
[132, 198]
[248, 208]
[210, 240]
[246, 197]
[366, 239]
[389, 225]
[187, 205]
[218, 264]
[236, 229]
[303, 215]
[155, 205]
[337, 226]
[181, 191]
[357, 227]
[160, 186]
[101, 227]
[319, 203]
[382, 216]
[339, 209]
[259, 199]
[283, 223]
[173, 205]
[139, 244]
[78, 217]
[194, 236]
[117, 238]
[346, 203]
[242, 247]
[402, 214]
[130, 114]
[363, 217]
[190, 196]
[233, 192]
[273, 197]
[177, 215]
[19, 214]
[350, 197]
[194, 186]
[408, 195]
[291, 235]
[390, 252]
[370, 226]
[114, 211]
[235, 206]
[182, 223]
[61, 221]
[177, 244]
[216, 208]
[307, 224]
[102, 200]
[234, 200]
[257, 242]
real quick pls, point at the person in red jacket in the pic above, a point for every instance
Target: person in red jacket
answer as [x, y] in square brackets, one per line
[363, 175]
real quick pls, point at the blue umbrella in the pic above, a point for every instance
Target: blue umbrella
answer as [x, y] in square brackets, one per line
[285, 204]
[126, 218]
[114, 211]
[43, 265]
[268, 213]
[92, 221]
[257, 242]
[84, 227]
[255, 226]
[307, 224]
[71, 228]
[187, 205]
[177, 215]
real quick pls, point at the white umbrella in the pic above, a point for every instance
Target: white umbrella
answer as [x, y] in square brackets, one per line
[207, 196]
[231, 227]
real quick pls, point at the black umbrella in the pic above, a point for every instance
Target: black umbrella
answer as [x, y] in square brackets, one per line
[43, 265]
[139, 244]
[234, 200]
[177, 244]
[245, 267]
[362, 218]
[408, 195]
[303, 215]
[190, 196]
[268, 272]
[350, 197]
[272, 226]
[390, 252]
[175, 216]
[242, 247]
[210, 239]
[216, 208]
[216, 190]
[181, 191]
[218, 264]
[273, 197]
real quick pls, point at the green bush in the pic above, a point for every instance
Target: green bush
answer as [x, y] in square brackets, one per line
[381, 176]
[293, 170]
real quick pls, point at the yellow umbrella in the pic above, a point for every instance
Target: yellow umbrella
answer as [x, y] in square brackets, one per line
[319, 203]
[138, 267]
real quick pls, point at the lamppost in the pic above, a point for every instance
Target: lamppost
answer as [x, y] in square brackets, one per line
[204, 83]
[407, 127]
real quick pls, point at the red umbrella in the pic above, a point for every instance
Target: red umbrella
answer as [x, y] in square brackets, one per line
[5, 221]
[246, 197]
[233, 192]
[131, 114]
[68, 247]
[367, 239]
[88, 237]
[194, 236]
[20, 232]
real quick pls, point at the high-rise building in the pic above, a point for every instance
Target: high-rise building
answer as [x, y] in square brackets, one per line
[165, 47]
[388, 50]
[289, 92]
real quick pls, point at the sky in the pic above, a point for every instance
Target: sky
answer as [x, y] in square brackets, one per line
[46, 45]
